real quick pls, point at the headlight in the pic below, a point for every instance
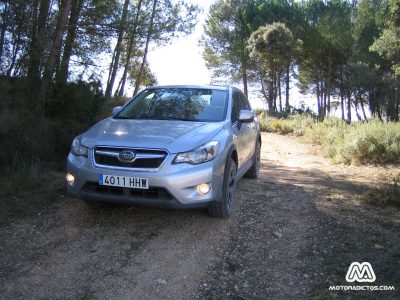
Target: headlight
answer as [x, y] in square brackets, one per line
[78, 149]
[199, 155]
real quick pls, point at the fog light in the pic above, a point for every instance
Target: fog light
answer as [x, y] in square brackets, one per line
[70, 178]
[204, 188]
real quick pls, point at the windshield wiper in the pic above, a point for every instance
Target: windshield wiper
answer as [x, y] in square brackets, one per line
[131, 118]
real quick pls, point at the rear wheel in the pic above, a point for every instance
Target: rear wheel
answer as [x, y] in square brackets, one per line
[252, 173]
[226, 206]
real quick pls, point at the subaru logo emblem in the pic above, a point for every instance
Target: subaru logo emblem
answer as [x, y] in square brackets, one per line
[126, 156]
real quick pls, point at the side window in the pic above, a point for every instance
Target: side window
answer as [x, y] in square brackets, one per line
[244, 102]
[235, 107]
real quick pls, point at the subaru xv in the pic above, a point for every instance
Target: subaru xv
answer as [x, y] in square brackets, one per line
[171, 146]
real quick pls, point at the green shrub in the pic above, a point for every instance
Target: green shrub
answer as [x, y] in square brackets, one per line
[357, 143]
[106, 109]
[316, 135]
[265, 124]
[373, 142]
[33, 141]
[295, 124]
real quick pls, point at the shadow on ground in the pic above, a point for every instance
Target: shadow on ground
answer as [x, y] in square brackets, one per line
[295, 233]
[294, 237]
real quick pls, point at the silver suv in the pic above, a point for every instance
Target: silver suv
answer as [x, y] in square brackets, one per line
[173, 146]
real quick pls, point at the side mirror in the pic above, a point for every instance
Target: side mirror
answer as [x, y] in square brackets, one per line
[245, 116]
[116, 110]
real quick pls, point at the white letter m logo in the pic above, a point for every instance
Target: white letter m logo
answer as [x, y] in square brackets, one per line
[360, 272]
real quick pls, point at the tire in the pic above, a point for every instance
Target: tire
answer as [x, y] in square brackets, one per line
[252, 173]
[226, 206]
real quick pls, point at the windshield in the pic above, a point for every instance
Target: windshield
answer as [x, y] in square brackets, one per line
[188, 104]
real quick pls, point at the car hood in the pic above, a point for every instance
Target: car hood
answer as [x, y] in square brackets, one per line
[175, 136]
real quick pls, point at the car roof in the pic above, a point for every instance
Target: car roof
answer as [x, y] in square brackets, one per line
[211, 87]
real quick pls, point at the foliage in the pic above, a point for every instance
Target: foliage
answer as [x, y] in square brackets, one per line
[358, 143]
[371, 142]
[346, 52]
[224, 41]
[31, 143]
[388, 44]
[51, 55]
[49, 41]
[272, 47]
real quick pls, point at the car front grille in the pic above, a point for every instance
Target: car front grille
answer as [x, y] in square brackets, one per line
[155, 193]
[147, 159]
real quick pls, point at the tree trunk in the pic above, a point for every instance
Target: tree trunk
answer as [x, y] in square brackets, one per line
[362, 108]
[371, 102]
[325, 101]
[76, 8]
[348, 107]
[263, 90]
[328, 104]
[267, 90]
[378, 110]
[111, 67]
[55, 50]
[287, 106]
[356, 107]
[318, 100]
[37, 43]
[118, 50]
[378, 97]
[341, 102]
[146, 48]
[244, 56]
[341, 93]
[16, 48]
[244, 77]
[391, 105]
[280, 94]
[397, 103]
[4, 26]
[275, 92]
[130, 50]
[271, 95]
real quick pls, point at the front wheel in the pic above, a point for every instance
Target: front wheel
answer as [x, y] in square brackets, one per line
[252, 173]
[226, 206]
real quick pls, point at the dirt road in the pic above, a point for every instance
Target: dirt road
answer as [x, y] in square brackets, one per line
[296, 231]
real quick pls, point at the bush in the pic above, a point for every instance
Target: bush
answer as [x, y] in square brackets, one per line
[373, 142]
[106, 109]
[357, 143]
[296, 124]
[33, 141]
[265, 125]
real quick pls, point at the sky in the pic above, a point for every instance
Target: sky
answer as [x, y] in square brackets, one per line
[181, 62]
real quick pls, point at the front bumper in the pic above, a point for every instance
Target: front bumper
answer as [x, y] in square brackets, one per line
[179, 182]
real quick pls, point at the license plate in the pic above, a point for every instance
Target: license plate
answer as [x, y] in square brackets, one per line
[124, 181]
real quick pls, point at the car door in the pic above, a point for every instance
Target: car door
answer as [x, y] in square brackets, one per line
[239, 135]
[248, 130]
